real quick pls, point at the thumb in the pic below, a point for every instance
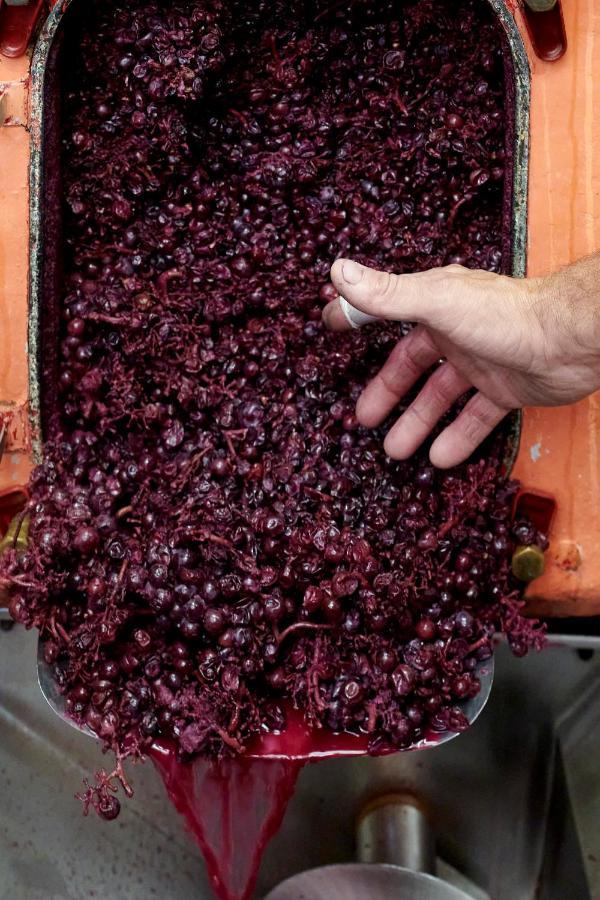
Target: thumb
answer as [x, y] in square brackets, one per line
[416, 297]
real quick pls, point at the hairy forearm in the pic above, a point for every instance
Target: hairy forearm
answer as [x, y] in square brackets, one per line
[517, 342]
[572, 298]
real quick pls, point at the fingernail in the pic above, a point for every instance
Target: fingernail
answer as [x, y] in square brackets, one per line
[352, 272]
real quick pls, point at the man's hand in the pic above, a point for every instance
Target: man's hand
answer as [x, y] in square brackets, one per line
[519, 342]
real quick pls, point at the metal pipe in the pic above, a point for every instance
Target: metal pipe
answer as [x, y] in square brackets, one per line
[394, 830]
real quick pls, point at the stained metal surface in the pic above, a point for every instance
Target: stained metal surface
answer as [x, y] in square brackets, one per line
[487, 796]
[519, 93]
[48, 851]
[358, 882]
[579, 736]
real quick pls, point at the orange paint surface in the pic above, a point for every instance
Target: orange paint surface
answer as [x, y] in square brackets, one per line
[560, 447]
[14, 243]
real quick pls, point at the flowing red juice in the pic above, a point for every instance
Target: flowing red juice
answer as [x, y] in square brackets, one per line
[233, 807]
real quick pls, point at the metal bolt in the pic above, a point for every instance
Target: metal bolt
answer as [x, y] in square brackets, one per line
[541, 5]
[528, 562]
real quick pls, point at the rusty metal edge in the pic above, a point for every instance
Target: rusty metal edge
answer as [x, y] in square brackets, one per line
[521, 103]
[39, 60]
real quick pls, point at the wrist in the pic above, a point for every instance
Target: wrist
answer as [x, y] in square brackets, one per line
[569, 307]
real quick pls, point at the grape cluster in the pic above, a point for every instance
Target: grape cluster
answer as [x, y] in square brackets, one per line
[213, 536]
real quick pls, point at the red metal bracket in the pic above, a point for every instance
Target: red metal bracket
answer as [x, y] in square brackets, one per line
[17, 24]
[547, 31]
[536, 506]
[12, 502]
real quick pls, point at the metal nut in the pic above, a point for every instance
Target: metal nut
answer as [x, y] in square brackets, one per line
[528, 562]
[541, 5]
[16, 535]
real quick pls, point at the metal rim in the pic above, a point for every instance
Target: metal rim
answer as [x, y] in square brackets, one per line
[521, 87]
[521, 101]
[395, 879]
[472, 709]
[39, 60]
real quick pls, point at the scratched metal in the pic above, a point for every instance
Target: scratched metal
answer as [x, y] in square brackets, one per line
[488, 794]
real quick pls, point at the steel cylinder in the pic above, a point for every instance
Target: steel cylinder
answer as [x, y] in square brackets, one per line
[394, 830]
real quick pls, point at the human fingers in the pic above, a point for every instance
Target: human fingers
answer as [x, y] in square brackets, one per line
[409, 359]
[440, 391]
[414, 297]
[472, 425]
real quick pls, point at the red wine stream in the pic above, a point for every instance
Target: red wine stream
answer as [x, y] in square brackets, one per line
[233, 807]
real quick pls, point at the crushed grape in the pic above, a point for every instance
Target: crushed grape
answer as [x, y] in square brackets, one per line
[212, 535]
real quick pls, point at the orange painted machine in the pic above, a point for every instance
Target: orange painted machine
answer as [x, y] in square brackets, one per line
[559, 450]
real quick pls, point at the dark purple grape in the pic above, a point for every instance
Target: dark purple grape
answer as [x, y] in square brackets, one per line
[86, 540]
[108, 808]
[403, 679]
[215, 621]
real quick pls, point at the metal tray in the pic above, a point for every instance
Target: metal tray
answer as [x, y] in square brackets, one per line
[489, 795]
[44, 179]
